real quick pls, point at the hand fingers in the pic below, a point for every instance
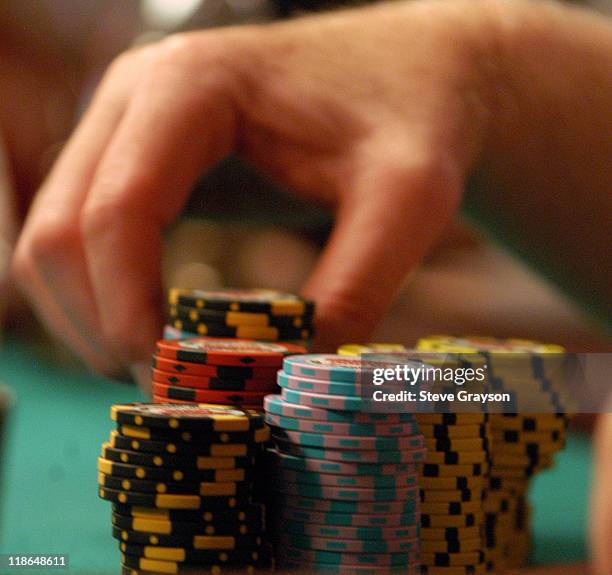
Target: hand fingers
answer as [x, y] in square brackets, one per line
[170, 133]
[50, 260]
[387, 223]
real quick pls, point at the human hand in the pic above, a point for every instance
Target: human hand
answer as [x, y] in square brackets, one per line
[379, 112]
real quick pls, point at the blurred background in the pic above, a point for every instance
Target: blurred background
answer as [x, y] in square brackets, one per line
[52, 55]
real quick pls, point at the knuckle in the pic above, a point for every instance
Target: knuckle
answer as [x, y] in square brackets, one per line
[207, 60]
[102, 211]
[177, 48]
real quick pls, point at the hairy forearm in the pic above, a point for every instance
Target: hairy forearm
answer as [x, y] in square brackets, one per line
[544, 183]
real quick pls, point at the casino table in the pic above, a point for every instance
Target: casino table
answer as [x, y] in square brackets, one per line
[49, 500]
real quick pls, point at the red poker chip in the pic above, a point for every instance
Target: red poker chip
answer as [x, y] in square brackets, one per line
[227, 351]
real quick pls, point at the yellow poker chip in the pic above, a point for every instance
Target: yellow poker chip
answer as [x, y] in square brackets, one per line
[505, 505]
[508, 358]
[530, 422]
[456, 457]
[450, 521]
[452, 508]
[454, 470]
[528, 448]
[524, 472]
[445, 534]
[511, 460]
[454, 431]
[357, 349]
[452, 559]
[512, 436]
[501, 483]
[467, 444]
[478, 344]
[451, 418]
[453, 495]
[443, 546]
[450, 483]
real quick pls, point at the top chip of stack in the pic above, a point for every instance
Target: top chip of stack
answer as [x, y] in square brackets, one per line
[217, 370]
[260, 314]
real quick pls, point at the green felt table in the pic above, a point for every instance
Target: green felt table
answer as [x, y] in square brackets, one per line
[49, 501]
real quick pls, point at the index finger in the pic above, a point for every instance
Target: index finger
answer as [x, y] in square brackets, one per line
[170, 133]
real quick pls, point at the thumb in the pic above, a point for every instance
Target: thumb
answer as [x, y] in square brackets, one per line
[385, 225]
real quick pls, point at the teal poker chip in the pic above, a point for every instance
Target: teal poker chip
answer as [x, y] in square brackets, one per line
[352, 456]
[345, 493]
[343, 545]
[300, 463]
[338, 402]
[381, 429]
[370, 520]
[351, 443]
[343, 532]
[309, 556]
[391, 481]
[341, 368]
[298, 383]
[276, 405]
[361, 507]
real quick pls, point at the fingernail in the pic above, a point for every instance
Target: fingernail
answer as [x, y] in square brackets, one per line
[141, 373]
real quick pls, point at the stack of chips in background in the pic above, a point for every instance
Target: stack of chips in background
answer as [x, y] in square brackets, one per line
[217, 370]
[260, 314]
[181, 479]
[523, 443]
[342, 483]
[454, 475]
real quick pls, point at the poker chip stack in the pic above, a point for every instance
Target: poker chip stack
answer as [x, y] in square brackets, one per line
[180, 479]
[454, 475]
[522, 443]
[217, 370]
[260, 314]
[343, 483]
[453, 481]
